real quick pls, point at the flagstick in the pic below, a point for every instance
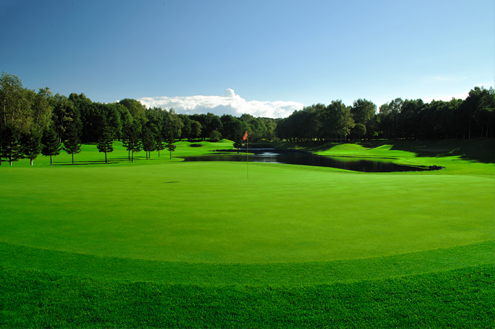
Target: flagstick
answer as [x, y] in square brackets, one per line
[247, 157]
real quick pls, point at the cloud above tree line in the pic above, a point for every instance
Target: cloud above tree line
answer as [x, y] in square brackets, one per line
[229, 103]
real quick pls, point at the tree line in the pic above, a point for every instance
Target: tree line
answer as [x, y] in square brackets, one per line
[473, 117]
[33, 123]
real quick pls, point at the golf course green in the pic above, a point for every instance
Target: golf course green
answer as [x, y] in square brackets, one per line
[162, 242]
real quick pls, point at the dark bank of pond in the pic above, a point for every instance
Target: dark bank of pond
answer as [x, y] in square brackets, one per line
[308, 159]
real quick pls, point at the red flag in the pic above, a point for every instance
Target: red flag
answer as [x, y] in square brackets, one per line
[245, 136]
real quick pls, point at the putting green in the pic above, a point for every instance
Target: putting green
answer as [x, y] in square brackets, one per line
[210, 212]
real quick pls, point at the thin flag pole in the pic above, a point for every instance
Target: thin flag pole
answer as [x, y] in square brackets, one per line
[247, 157]
[245, 138]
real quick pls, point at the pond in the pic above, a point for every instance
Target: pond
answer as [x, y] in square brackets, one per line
[309, 159]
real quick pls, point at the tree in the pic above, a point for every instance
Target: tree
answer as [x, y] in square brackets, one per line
[215, 136]
[63, 113]
[170, 143]
[41, 116]
[148, 142]
[363, 112]
[186, 129]
[72, 145]
[15, 106]
[359, 130]
[105, 142]
[10, 148]
[31, 145]
[338, 120]
[195, 129]
[159, 146]
[137, 111]
[231, 126]
[51, 143]
[132, 143]
[15, 116]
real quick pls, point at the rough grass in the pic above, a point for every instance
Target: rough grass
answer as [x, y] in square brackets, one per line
[163, 243]
[460, 298]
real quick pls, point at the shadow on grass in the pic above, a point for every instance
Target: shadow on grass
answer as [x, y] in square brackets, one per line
[481, 149]
[102, 162]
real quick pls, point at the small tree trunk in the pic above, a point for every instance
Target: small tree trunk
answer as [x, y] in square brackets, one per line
[72, 158]
[32, 161]
[132, 156]
[51, 163]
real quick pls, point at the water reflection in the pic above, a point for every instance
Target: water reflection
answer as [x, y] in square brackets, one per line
[309, 159]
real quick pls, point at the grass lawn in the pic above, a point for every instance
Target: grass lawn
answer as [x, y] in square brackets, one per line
[162, 242]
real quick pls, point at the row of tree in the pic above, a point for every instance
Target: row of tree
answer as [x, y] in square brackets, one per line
[32, 123]
[473, 117]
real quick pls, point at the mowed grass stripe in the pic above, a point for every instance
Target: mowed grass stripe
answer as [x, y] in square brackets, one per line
[462, 298]
[274, 274]
[210, 212]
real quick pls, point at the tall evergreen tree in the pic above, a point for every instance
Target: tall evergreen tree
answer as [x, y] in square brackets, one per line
[31, 146]
[106, 139]
[72, 145]
[10, 148]
[51, 143]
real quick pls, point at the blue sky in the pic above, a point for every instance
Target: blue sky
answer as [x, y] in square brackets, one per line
[290, 53]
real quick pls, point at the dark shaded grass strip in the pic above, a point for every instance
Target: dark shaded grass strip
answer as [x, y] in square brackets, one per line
[65, 263]
[463, 298]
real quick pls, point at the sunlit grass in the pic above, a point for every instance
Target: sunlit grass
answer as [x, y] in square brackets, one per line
[163, 242]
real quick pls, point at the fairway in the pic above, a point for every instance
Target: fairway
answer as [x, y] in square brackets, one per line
[210, 212]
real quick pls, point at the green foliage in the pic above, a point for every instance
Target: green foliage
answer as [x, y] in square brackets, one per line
[105, 142]
[10, 146]
[15, 105]
[148, 141]
[51, 145]
[359, 130]
[159, 146]
[195, 129]
[132, 142]
[31, 145]
[72, 145]
[136, 110]
[215, 136]
[170, 143]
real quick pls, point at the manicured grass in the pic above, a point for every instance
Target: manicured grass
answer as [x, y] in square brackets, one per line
[162, 242]
[210, 212]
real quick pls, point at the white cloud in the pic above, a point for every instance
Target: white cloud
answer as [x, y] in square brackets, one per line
[229, 103]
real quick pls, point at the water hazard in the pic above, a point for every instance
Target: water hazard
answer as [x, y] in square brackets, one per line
[308, 159]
